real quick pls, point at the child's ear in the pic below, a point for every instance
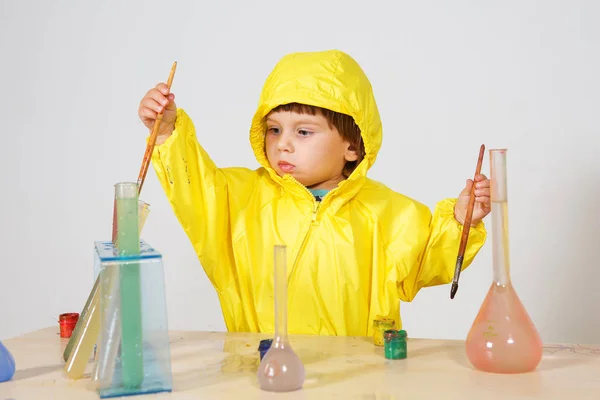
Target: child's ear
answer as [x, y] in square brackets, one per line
[351, 153]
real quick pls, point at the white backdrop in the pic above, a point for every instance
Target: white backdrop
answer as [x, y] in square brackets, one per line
[448, 76]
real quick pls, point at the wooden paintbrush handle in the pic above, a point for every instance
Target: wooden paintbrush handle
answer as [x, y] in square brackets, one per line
[470, 206]
[466, 227]
[152, 139]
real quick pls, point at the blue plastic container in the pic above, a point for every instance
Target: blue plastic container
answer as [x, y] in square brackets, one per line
[264, 346]
[7, 364]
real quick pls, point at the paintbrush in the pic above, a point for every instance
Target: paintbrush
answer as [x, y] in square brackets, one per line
[465, 228]
[152, 139]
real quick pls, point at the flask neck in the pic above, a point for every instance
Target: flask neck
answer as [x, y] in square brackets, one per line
[280, 281]
[500, 248]
[499, 198]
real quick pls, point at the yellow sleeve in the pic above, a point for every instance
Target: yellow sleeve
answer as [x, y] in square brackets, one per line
[197, 192]
[433, 258]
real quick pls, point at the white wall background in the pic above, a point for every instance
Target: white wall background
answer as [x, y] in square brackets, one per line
[448, 76]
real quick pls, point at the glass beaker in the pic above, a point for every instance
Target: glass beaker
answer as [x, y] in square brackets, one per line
[280, 370]
[502, 338]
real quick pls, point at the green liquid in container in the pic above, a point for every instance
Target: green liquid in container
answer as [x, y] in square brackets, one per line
[128, 244]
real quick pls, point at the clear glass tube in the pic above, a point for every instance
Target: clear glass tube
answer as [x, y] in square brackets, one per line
[499, 197]
[128, 235]
[502, 338]
[280, 279]
[80, 322]
[110, 336]
[84, 339]
[143, 211]
[128, 244]
[280, 369]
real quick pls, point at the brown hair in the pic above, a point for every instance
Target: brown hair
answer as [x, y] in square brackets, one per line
[344, 124]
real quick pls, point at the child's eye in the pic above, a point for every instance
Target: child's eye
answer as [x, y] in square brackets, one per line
[304, 132]
[274, 131]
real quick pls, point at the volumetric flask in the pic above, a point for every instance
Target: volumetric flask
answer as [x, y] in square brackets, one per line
[502, 338]
[280, 370]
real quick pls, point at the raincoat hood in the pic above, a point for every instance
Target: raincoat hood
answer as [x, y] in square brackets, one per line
[328, 79]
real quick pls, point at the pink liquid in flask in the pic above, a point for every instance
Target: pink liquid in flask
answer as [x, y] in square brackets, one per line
[280, 370]
[502, 338]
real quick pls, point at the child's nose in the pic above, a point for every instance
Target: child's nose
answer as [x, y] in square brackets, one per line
[285, 143]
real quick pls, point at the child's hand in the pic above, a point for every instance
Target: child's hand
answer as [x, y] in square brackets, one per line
[482, 205]
[156, 100]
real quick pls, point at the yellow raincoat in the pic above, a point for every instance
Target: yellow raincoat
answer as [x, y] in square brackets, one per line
[351, 258]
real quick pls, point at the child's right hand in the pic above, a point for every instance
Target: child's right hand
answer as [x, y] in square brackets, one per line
[156, 100]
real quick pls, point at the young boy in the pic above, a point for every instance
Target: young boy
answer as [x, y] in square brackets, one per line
[355, 248]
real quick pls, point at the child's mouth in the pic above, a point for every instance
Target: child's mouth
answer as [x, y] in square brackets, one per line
[285, 166]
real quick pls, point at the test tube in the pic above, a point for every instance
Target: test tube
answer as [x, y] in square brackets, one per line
[80, 322]
[108, 346]
[143, 211]
[85, 339]
[128, 244]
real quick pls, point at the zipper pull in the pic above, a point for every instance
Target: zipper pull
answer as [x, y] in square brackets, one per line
[315, 209]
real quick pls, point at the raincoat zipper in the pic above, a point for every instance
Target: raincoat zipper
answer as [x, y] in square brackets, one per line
[316, 205]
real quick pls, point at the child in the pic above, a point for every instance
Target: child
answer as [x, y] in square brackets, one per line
[355, 248]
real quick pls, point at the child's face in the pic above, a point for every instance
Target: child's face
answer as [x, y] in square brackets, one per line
[306, 147]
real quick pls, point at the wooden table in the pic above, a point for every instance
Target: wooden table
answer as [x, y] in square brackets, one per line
[217, 365]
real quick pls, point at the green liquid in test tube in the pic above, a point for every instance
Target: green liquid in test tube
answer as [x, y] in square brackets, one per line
[128, 244]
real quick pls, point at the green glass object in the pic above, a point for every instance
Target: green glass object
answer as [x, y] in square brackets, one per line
[128, 244]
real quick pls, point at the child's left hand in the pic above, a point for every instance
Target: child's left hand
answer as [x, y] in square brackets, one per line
[483, 204]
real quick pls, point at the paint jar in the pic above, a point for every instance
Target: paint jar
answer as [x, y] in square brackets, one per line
[395, 344]
[66, 323]
[264, 346]
[381, 325]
